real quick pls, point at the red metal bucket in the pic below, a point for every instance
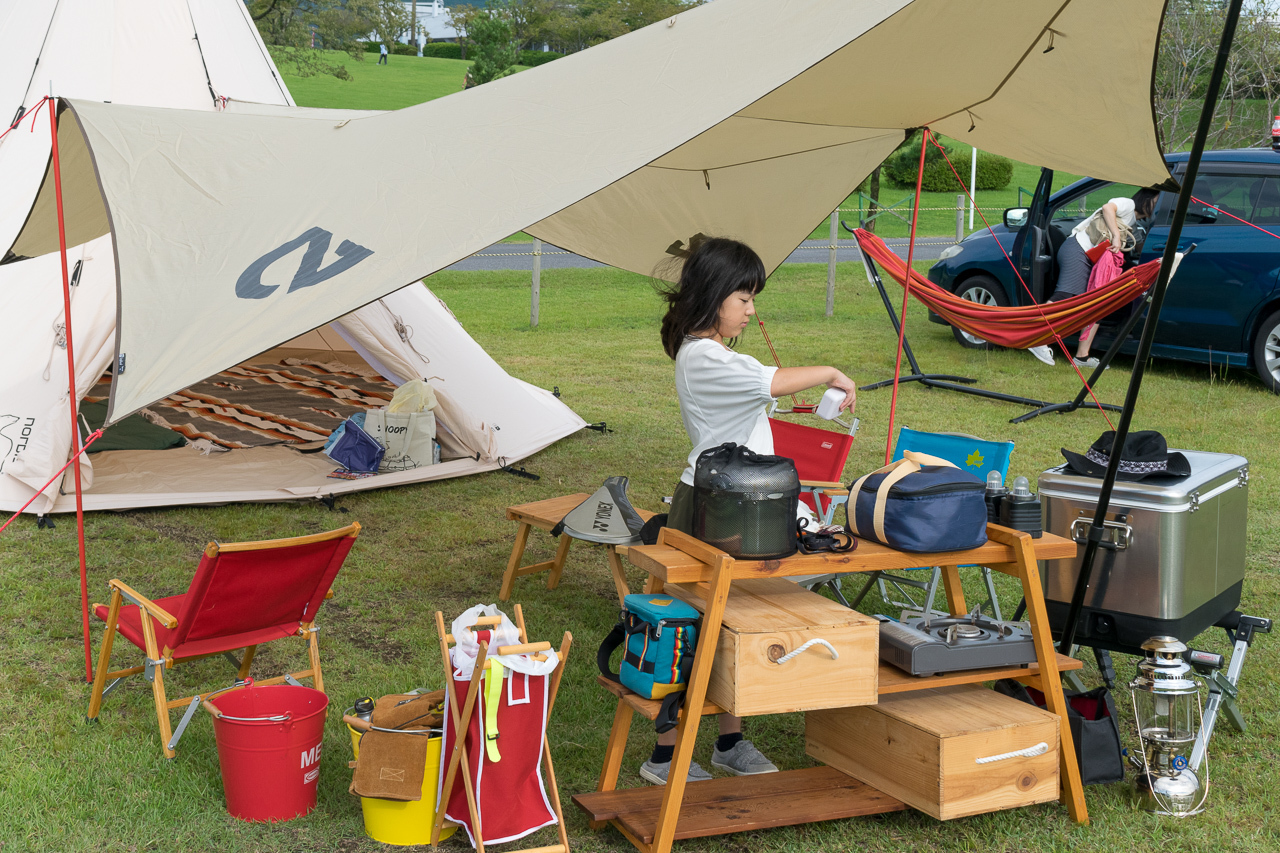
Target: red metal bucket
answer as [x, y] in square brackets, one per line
[269, 748]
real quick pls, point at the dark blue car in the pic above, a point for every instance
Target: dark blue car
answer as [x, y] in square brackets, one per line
[1223, 305]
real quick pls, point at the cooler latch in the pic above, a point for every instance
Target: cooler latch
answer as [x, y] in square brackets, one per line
[1242, 477]
[1195, 501]
[1116, 535]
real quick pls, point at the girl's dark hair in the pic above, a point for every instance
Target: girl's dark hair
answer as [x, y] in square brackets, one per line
[715, 269]
[1144, 200]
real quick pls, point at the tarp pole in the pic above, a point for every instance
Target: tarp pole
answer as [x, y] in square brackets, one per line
[906, 295]
[831, 263]
[72, 398]
[535, 292]
[1149, 329]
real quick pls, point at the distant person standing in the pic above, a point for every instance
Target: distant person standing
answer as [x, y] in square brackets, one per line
[382, 57]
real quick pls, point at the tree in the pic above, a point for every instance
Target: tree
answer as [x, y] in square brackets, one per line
[390, 20]
[495, 50]
[461, 17]
[1250, 85]
[300, 30]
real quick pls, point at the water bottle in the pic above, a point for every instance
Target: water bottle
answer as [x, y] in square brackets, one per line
[1275, 134]
[364, 708]
[1020, 509]
[994, 494]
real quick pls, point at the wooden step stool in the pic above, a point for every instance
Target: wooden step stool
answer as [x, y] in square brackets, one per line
[545, 515]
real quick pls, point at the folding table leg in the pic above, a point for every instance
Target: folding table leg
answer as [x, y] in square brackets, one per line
[557, 565]
[619, 574]
[687, 730]
[1028, 573]
[513, 562]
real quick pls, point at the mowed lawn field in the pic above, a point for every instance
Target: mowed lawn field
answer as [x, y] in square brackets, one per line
[66, 785]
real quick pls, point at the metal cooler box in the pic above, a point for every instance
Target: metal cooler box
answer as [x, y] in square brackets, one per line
[1171, 560]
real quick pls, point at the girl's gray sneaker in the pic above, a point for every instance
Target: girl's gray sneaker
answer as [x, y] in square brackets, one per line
[742, 759]
[657, 773]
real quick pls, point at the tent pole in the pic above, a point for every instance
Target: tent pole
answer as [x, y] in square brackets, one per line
[71, 378]
[1149, 329]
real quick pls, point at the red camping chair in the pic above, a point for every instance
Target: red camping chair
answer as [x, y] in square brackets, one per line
[820, 456]
[242, 595]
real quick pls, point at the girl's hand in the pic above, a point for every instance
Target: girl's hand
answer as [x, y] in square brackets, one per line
[845, 384]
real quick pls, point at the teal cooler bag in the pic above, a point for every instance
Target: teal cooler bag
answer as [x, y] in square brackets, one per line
[658, 634]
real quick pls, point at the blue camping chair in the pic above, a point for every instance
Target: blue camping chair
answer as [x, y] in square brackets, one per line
[978, 457]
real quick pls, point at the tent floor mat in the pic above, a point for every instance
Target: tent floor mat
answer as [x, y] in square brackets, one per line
[258, 404]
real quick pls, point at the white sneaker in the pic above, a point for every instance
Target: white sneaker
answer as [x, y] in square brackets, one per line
[1043, 353]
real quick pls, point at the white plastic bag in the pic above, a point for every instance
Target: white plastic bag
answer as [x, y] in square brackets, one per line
[413, 396]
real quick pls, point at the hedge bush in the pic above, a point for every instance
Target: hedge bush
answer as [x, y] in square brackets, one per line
[443, 50]
[994, 172]
[533, 58]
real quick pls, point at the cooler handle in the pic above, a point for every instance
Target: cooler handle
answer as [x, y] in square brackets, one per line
[1118, 533]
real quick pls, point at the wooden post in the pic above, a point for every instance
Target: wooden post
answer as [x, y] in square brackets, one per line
[831, 264]
[537, 283]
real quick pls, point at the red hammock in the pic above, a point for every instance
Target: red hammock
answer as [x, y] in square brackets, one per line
[1017, 328]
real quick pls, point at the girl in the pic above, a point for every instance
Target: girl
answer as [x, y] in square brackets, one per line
[724, 396]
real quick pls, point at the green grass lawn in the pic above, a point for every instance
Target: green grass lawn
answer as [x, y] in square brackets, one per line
[402, 82]
[69, 786]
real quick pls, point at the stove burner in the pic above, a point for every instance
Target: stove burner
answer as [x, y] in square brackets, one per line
[923, 645]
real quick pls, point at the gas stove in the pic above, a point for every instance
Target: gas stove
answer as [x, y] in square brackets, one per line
[931, 645]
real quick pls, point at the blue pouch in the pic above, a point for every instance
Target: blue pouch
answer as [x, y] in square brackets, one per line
[353, 448]
[658, 634]
[919, 504]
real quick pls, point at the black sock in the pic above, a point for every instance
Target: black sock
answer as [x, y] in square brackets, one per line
[724, 743]
[662, 754]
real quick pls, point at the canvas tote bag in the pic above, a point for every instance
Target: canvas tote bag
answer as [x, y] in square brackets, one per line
[407, 436]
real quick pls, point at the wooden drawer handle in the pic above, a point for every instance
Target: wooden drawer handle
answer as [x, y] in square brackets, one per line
[815, 641]
[1030, 752]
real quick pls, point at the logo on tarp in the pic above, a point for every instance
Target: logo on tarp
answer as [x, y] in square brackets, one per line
[15, 433]
[250, 286]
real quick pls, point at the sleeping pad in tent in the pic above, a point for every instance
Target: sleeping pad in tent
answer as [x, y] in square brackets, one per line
[133, 433]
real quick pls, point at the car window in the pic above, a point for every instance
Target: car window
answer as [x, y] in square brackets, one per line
[1236, 195]
[1266, 206]
[1085, 204]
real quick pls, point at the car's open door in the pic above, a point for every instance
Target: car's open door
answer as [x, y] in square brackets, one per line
[1032, 250]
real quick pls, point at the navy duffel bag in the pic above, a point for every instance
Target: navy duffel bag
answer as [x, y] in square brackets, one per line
[920, 503]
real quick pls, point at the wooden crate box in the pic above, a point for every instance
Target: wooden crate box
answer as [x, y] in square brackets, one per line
[767, 618]
[924, 747]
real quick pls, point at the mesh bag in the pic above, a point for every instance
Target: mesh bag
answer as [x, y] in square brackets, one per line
[745, 503]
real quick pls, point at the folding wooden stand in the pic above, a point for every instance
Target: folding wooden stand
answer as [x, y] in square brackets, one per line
[460, 715]
[545, 515]
[652, 818]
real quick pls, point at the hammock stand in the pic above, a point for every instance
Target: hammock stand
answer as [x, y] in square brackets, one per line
[949, 383]
[945, 381]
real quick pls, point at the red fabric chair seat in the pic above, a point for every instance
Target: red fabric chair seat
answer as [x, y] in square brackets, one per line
[130, 627]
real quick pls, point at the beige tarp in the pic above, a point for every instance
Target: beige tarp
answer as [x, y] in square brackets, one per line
[751, 118]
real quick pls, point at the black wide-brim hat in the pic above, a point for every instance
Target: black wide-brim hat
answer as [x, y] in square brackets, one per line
[1145, 454]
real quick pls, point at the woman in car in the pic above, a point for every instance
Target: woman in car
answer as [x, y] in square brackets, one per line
[1114, 223]
[724, 396]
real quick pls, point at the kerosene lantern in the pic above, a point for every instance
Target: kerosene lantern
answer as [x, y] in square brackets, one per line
[1166, 706]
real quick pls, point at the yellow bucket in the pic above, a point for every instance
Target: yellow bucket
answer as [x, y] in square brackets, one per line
[404, 823]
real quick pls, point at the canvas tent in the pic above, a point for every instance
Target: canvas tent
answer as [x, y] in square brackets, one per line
[751, 118]
[202, 55]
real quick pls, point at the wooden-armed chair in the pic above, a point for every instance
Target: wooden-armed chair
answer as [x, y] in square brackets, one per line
[243, 594]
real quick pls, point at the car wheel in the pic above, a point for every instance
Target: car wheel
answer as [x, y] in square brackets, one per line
[1266, 352]
[984, 290]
